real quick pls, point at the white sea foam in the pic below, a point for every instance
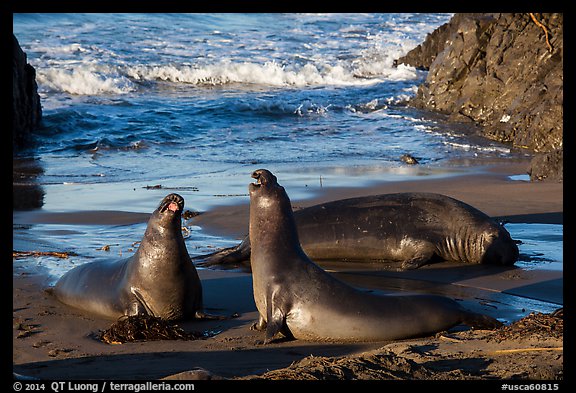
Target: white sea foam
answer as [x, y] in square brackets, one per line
[378, 58]
[84, 80]
[270, 73]
[306, 59]
[71, 48]
[302, 50]
[470, 147]
[90, 79]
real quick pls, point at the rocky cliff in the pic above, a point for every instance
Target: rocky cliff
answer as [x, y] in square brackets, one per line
[26, 109]
[503, 72]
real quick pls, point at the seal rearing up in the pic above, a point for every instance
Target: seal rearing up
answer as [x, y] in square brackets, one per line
[158, 280]
[297, 298]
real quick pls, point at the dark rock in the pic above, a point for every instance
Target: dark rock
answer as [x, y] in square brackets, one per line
[26, 109]
[547, 166]
[424, 54]
[27, 193]
[499, 71]
[409, 159]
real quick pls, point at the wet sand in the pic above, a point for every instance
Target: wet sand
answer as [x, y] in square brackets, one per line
[53, 341]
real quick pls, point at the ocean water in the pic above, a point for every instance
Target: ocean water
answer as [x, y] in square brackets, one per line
[139, 105]
[161, 98]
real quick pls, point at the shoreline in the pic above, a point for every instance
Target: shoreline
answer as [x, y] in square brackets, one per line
[54, 341]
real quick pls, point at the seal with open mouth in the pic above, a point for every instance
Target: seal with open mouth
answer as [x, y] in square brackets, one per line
[159, 279]
[297, 298]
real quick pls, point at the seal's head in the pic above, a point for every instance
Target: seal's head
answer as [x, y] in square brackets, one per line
[500, 248]
[270, 207]
[172, 202]
[169, 212]
[266, 193]
[263, 178]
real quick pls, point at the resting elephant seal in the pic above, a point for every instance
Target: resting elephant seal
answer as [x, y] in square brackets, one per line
[159, 279]
[297, 298]
[413, 228]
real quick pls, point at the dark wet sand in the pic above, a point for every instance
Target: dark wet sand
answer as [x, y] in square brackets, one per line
[60, 342]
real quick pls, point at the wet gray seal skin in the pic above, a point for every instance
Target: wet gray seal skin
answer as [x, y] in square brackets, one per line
[159, 279]
[413, 228]
[297, 298]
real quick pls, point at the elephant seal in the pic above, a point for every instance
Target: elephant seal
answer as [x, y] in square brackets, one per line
[159, 279]
[297, 298]
[413, 228]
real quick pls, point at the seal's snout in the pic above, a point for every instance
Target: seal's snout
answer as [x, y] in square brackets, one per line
[172, 202]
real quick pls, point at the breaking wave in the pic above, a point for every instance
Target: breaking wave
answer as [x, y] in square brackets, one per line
[85, 80]
[95, 79]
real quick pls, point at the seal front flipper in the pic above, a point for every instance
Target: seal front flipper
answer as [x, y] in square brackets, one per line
[139, 306]
[414, 263]
[275, 317]
[423, 252]
[275, 324]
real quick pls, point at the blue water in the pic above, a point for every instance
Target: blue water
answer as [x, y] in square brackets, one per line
[147, 97]
[196, 102]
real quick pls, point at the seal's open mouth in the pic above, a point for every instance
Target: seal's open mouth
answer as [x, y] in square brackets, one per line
[172, 202]
[257, 175]
[263, 177]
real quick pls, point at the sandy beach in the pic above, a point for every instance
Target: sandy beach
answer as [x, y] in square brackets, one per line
[53, 341]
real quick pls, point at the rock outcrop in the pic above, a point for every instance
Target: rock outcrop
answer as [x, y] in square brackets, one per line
[503, 72]
[26, 108]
